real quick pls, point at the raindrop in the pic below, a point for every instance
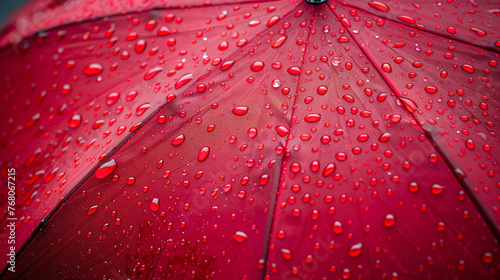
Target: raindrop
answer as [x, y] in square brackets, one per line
[92, 210]
[240, 110]
[154, 205]
[240, 236]
[178, 140]
[389, 220]
[75, 121]
[355, 250]
[257, 66]
[379, 6]
[314, 117]
[93, 69]
[183, 80]
[151, 73]
[294, 70]
[287, 255]
[203, 153]
[105, 169]
[386, 67]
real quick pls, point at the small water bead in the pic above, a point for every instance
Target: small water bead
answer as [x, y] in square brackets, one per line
[386, 67]
[239, 236]
[75, 121]
[92, 210]
[286, 254]
[112, 98]
[142, 108]
[355, 250]
[389, 220]
[240, 110]
[257, 66]
[183, 80]
[379, 6]
[178, 140]
[203, 153]
[468, 68]
[437, 189]
[93, 69]
[279, 42]
[154, 205]
[153, 72]
[294, 70]
[337, 227]
[313, 117]
[105, 169]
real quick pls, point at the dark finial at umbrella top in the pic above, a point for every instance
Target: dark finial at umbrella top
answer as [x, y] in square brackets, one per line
[316, 1]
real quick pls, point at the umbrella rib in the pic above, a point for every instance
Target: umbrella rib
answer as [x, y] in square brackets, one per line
[410, 26]
[488, 219]
[284, 162]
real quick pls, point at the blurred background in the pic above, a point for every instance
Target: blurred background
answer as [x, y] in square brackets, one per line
[7, 7]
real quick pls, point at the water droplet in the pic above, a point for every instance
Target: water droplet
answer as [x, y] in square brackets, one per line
[183, 80]
[287, 254]
[355, 250]
[386, 67]
[92, 210]
[379, 6]
[153, 72]
[240, 110]
[240, 236]
[468, 68]
[282, 130]
[437, 189]
[384, 137]
[75, 121]
[178, 140]
[329, 169]
[431, 89]
[154, 205]
[294, 70]
[252, 132]
[93, 69]
[105, 169]
[257, 66]
[140, 46]
[142, 108]
[322, 90]
[337, 227]
[313, 117]
[203, 153]
[112, 98]
[389, 220]
[407, 19]
[279, 42]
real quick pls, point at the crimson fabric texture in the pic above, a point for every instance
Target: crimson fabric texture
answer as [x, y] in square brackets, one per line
[252, 140]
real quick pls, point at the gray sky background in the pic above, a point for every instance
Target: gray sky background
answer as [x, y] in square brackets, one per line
[7, 7]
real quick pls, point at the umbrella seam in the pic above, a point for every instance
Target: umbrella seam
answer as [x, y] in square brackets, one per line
[285, 158]
[487, 218]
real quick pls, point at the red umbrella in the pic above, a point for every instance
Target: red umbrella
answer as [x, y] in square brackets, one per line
[251, 140]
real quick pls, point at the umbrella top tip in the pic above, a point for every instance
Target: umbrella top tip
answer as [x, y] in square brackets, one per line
[316, 1]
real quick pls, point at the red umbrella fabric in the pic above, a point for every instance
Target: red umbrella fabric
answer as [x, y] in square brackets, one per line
[252, 140]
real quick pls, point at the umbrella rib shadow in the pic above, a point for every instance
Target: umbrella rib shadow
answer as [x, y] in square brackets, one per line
[489, 220]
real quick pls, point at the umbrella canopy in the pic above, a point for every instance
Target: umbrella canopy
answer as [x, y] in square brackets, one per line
[252, 140]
